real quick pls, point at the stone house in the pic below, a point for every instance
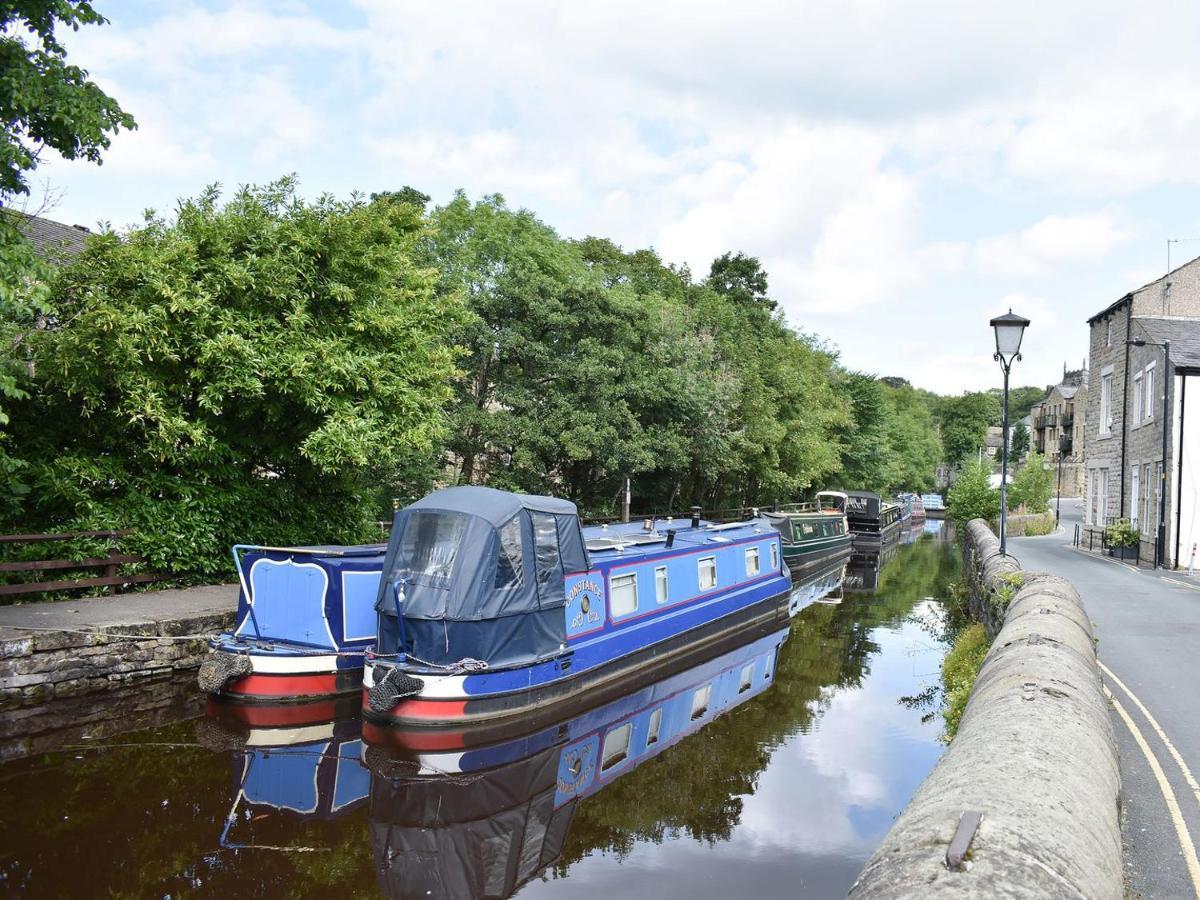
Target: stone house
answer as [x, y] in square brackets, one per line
[1127, 476]
[1059, 429]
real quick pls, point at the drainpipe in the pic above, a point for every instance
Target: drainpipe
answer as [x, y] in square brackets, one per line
[1179, 473]
[1125, 402]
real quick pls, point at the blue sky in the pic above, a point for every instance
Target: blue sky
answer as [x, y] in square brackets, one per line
[904, 171]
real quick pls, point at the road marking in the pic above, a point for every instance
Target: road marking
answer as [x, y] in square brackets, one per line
[1191, 587]
[1181, 829]
[1187, 773]
[1107, 559]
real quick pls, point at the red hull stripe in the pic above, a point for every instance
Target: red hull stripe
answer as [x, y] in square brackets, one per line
[283, 686]
[413, 740]
[282, 714]
[425, 709]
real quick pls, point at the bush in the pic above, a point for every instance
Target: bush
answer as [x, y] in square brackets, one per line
[959, 669]
[1121, 534]
[1037, 526]
[972, 496]
[1032, 486]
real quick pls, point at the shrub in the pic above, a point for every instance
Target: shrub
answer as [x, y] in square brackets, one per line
[1121, 534]
[1039, 525]
[972, 496]
[1032, 486]
[959, 669]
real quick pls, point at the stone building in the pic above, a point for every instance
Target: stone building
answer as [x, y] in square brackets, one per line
[1126, 474]
[1059, 429]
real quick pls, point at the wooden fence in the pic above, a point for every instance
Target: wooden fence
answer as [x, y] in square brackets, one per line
[109, 565]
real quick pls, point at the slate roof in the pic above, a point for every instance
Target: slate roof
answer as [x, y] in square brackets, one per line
[1067, 390]
[1184, 335]
[54, 241]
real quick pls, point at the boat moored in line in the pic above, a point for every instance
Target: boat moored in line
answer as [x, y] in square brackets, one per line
[814, 535]
[496, 605]
[873, 521]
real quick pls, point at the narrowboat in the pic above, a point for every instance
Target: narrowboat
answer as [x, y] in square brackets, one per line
[481, 821]
[305, 618]
[496, 605]
[872, 520]
[916, 505]
[864, 568]
[813, 535]
[935, 507]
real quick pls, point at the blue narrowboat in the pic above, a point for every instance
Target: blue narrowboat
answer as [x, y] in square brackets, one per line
[497, 605]
[305, 618]
[481, 821]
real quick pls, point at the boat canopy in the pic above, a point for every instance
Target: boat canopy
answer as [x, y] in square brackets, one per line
[479, 555]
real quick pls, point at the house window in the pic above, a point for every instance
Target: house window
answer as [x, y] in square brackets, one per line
[655, 727]
[1148, 523]
[660, 584]
[616, 746]
[1158, 490]
[708, 573]
[774, 557]
[747, 678]
[1108, 333]
[1149, 404]
[700, 701]
[1137, 399]
[1106, 386]
[753, 566]
[1134, 496]
[622, 595]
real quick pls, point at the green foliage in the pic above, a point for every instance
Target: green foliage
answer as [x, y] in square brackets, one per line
[959, 670]
[1121, 534]
[241, 373]
[1036, 526]
[1020, 401]
[972, 496]
[1020, 440]
[964, 421]
[45, 101]
[1009, 585]
[1032, 486]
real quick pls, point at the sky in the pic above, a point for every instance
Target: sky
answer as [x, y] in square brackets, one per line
[903, 171]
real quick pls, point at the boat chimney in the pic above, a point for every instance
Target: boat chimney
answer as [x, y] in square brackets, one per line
[647, 525]
[695, 517]
[670, 538]
[754, 512]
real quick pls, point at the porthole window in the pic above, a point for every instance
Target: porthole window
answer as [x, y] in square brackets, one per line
[655, 727]
[660, 585]
[616, 747]
[753, 565]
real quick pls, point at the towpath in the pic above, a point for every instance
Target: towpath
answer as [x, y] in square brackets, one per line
[1148, 627]
[157, 610]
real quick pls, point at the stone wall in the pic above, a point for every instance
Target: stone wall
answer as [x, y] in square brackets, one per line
[37, 666]
[1034, 754]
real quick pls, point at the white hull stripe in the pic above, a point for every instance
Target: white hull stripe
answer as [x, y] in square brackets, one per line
[285, 737]
[437, 687]
[293, 665]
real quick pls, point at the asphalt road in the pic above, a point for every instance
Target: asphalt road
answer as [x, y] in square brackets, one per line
[1148, 627]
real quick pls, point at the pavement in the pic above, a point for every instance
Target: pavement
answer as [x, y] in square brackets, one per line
[120, 610]
[1147, 625]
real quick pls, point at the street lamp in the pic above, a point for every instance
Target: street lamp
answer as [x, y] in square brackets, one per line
[1009, 329]
[1160, 548]
[1064, 441]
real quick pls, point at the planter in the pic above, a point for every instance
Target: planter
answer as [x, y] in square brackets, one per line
[1123, 552]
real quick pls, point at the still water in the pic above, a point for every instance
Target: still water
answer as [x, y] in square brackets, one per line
[771, 769]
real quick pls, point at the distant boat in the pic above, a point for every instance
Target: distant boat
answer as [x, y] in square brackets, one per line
[495, 605]
[915, 506]
[873, 521]
[306, 616]
[814, 535]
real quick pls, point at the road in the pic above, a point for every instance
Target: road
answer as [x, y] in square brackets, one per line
[1148, 628]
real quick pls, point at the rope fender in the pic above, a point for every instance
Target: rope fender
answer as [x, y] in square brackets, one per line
[219, 668]
[393, 687]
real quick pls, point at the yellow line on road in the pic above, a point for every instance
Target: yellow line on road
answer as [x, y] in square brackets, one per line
[1183, 767]
[1181, 829]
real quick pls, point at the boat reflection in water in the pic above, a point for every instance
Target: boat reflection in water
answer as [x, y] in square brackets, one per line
[862, 572]
[482, 819]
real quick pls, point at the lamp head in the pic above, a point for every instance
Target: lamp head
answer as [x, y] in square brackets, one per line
[1009, 330]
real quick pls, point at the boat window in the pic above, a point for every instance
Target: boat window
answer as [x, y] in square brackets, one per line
[429, 546]
[747, 678]
[700, 701]
[509, 570]
[708, 573]
[616, 747]
[660, 584]
[622, 594]
[774, 557]
[655, 727]
[545, 548]
[808, 529]
[753, 565]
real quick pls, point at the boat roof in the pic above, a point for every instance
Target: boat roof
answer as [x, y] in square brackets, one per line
[494, 506]
[630, 540]
[831, 494]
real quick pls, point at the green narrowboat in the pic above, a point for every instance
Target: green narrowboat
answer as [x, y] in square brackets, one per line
[813, 534]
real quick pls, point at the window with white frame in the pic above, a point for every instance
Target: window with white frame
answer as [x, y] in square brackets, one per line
[1134, 495]
[1106, 386]
[654, 728]
[700, 701]
[708, 572]
[1108, 332]
[660, 585]
[1148, 522]
[747, 678]
[1137, 399]
[1149, 404]
[774, 557]
[753, 564]
[622, 599]
[616, 746]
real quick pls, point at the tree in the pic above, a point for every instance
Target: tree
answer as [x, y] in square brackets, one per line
[1033, 485]
[245, 372]
[913, 438]
[867, 458]
[964, 423]
[741, 278]
[1020, 400]
[972, 496]
[1020, 441]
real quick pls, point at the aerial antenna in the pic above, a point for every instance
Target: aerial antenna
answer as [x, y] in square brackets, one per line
[1171, 241]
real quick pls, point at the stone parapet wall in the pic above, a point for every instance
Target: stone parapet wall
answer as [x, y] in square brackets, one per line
[37, 666]
[1035, 755]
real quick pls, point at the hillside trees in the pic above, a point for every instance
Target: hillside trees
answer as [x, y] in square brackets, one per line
[964, 422]
[238, 373]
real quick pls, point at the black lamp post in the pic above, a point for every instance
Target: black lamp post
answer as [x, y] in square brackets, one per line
[1064, 440]
[1160, 547]
[1009, 329]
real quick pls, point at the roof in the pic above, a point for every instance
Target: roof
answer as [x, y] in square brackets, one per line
[491, 505]
[1067, 391]
[54, 241]
[1184, 335]
[1128, 298]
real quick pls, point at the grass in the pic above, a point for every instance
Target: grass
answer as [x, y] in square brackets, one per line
[959, 669]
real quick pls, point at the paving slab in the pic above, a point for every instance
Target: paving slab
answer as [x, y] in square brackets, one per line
[121, 610]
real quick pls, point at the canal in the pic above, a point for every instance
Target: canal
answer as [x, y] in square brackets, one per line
[798, 748]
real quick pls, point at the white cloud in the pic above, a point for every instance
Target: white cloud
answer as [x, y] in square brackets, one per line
[1054, 241]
